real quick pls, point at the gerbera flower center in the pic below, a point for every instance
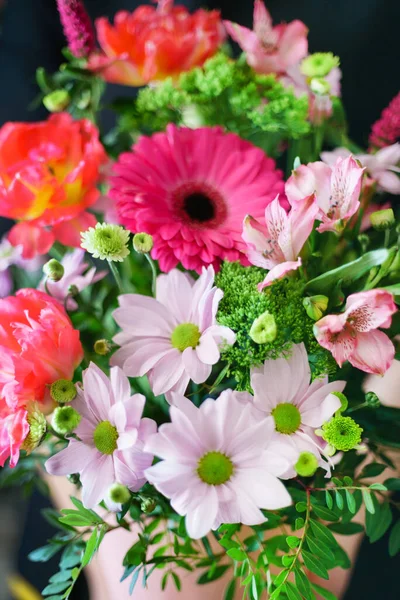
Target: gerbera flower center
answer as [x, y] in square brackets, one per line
[185, 335]
[105, 437]
[215, 468]
[200, 205]
[287, 418]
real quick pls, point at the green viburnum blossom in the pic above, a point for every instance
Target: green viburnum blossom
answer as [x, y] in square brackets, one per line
[107, 242]
[243, 304]
[224, 92]
[65, 419]
[319, 64]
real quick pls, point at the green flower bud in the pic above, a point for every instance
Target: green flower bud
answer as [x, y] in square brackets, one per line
[73, 290]
[342, 433]
[306, 465]
[37, 428]
[315, 306]
[372, 400]
[102, 347]
[54, 270]
[142, 243]
[319, 64]
[320, 86]
[263, 329]
[57, 101]
[382, 219]
[119, 494]
[343, 400]
[65, 420]
[63, 391]
[364, 241]
[74, 478]
[148, 505]
[107, 242]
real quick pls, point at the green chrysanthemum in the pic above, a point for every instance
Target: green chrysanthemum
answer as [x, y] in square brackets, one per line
[243, 304]
[63, 391]
[107, 242]
[319, 64]
[65, 419]
[119, 493]
[306, 465]
[37, 428]
[342, 433]
[142, 242]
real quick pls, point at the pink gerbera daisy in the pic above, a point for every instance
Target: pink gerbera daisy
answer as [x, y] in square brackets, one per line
[173, 337]
[218, 463]
[111, 436]
[190, 189]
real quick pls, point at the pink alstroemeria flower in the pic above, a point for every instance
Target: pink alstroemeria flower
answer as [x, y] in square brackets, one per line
[354, 336]
[383, 166]
[277, 245]
[337, 190]
[270, 49]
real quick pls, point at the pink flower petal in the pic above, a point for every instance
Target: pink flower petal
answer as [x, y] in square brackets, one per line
[374, 352]
[197, 369]
[200, 521]
[278, 272]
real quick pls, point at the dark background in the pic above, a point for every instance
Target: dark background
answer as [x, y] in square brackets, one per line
[364, 33]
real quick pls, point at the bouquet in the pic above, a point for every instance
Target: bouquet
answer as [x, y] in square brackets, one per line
[198, 302]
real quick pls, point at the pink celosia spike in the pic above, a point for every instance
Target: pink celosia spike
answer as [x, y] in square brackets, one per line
[77, 25]
[386, 130]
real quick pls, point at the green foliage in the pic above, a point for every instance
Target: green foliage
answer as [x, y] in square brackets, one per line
[243, 303]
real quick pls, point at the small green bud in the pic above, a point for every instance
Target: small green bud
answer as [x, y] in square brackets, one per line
[73, 290]
[119, 494]
[342, 433]
[315, 306]
[382, 219]
[306, 465]
[263, 329]
[57, 101]
[320, 86]
[107, 242]
[74, 478]
[65, 419]
[54, 270]
[364, 241]
[148, 505]
[343, 400]
[63, 391]
[84, 99]
[142, 243]
[319, 64]
[37, 428]
[372, 400]
[102, 347]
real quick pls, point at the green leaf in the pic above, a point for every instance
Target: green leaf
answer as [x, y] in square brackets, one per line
[44, 553]
[377, 523]
[134, 579]
[177, 581]
[292, 541]
[339, 500]
[61, 576]
[292, 591]
[393, 484]
[86, 512]
[230, 590]
[328, 500]
[325, 513]
[347, 273]
[322, 532]
[394, 540]
[319, 548]
[299, 523]
[346, 528]
[236, 554]
[90, 548]
[372, 470]
[218, 572]
[368, 501]
[56, 588]
[254, 590]
[75, 520]
[326, 594]
[351, 503]
[378, 486]
[301, 507]
[314, 564]
[303, 585]
[71, 556]
[287, 560]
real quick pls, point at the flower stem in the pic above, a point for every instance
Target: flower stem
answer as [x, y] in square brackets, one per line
[116, 275]
[153, 273]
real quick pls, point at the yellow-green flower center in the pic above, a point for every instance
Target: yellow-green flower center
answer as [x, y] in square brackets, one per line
[105, 437]
[307, 464]
[215, 468]
[185, 335]
[287, 418]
